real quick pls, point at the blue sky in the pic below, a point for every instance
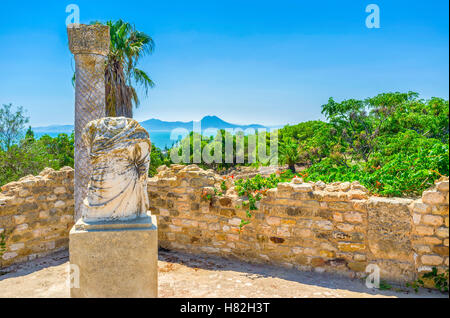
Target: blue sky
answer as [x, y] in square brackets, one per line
[268, 62]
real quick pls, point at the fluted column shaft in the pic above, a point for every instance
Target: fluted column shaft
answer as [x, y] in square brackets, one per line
[90, 46]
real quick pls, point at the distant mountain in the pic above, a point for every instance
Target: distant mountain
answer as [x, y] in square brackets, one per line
[206, 122]
[157, 125]
[53, 129]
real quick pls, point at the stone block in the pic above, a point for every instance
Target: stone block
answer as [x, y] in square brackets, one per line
[442, 232]
[433, 197]
[114, 259]
[353, 217]
[431, 260]
[421, 207]
[442, 186]
[273, 220]
[434, 220]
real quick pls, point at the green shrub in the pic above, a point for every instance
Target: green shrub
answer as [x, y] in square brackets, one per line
[2, 244]
[31, 156]
[406, 166]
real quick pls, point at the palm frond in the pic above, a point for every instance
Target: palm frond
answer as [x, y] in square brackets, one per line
[142, 79]
[127, 47]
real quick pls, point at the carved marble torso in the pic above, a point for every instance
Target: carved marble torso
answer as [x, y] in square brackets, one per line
[119, 151]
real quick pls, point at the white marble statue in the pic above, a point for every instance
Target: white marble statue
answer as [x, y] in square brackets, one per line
[119, 151]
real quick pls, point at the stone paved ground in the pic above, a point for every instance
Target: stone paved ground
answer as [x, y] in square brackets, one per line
[184, 275]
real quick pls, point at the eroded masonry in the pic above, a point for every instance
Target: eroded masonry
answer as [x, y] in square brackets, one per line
[310, 226]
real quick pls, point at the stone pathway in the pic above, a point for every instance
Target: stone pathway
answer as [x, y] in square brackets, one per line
[191, 276]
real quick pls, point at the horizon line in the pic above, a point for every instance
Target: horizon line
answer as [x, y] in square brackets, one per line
[175, 121]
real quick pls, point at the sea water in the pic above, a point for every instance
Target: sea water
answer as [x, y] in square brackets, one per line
[159, 139]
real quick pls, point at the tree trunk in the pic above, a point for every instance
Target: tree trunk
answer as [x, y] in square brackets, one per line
[118, 93]
[292, 167]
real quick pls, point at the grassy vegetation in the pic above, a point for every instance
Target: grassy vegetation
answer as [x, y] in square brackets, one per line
[31, 156]
[395, 144]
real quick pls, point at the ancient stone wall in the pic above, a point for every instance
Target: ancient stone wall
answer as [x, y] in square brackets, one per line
[429, 237]
[36, 214]
[310, 226]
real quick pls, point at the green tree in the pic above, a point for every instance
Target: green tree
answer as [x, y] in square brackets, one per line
[315, 139]
[354, 126]
[61, 148]
[157, 158]
[289, 153]
[23, 159]
[12, 124]
[401, 139]
[29, 134]
[402, 111]
[31, 156]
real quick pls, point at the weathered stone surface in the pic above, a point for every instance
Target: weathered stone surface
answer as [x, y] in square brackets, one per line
[17, 246]
[433, 197]
[441, 250]
[357, 266]
[119, 151]
[345, 227]
[88, 39]
[440, 209]
[389, 228]
[19, 219]
[323, 213]
[9, 255]
[305, 187]
[421, 207]
[303, 233]
[442, 186]
[273, 220]
[289, 227]
[424, 230]
[59, 190]
[432, 220]
[392, 270]
[90, 46]
[118, 260]
[353, 217]
[442, 232]
[431, 260]
[351, 247]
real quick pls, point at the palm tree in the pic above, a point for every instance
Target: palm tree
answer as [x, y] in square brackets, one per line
[289, 153]
[127, 47]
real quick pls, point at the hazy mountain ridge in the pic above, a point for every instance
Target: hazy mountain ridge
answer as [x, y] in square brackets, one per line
[54, 129]
[159, 125]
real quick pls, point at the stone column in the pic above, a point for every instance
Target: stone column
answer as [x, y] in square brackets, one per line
[90, 46]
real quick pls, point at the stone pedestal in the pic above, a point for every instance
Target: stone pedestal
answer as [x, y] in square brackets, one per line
[114, 259]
